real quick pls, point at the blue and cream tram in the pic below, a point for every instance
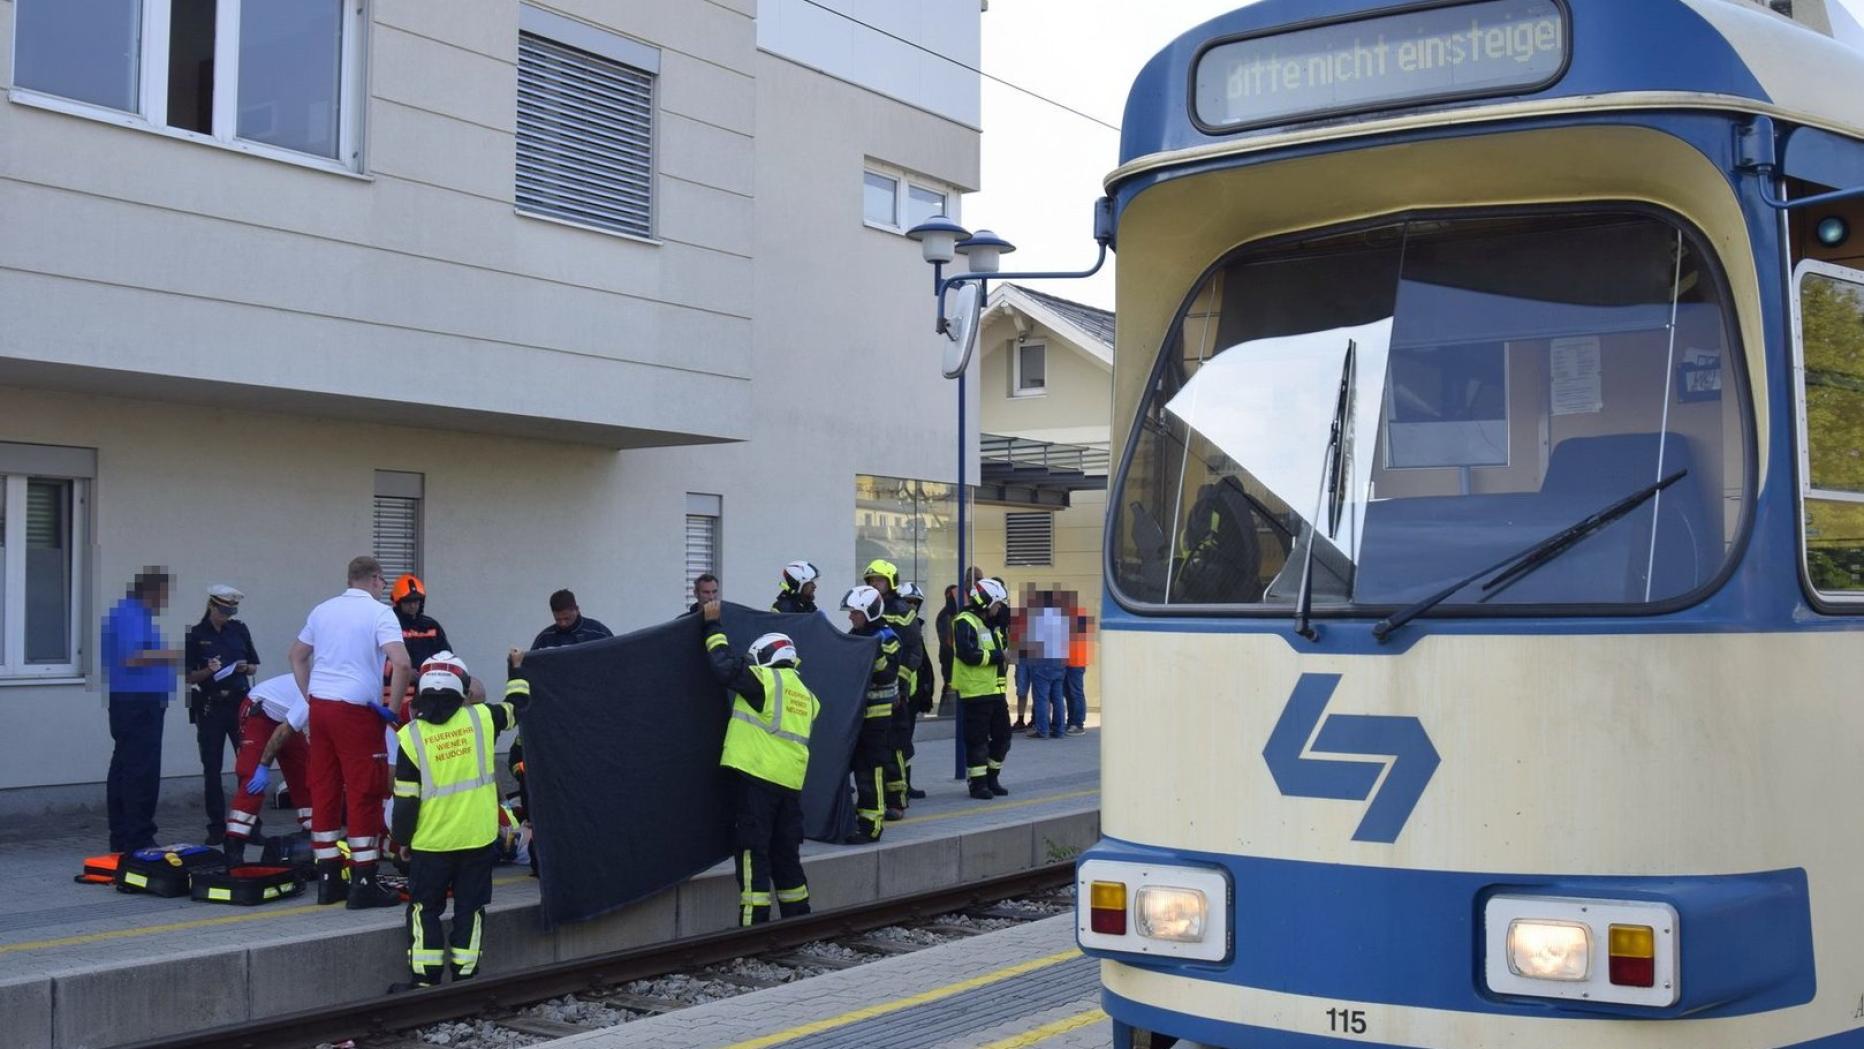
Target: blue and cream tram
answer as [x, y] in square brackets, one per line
[1485, 560]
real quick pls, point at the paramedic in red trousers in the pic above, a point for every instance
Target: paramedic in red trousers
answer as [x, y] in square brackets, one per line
[767, 750]
[337, 661]
[446, 813]
[272, 725]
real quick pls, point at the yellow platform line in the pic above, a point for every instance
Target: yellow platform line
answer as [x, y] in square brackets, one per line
[193, 923]
[868, 1012]
[1048, 1030]
[997, 807]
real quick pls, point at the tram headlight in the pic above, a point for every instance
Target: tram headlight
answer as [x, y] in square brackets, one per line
[1549, 950]
[1163, 912]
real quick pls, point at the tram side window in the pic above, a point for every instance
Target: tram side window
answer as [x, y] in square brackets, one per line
[1831, 312]
[1505, 376]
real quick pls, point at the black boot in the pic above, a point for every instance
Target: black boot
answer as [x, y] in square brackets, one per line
[911, 791]
[366, 892]
[332, 887]
[410, 985]
[991, 784]
[981, 790]
[235, 848]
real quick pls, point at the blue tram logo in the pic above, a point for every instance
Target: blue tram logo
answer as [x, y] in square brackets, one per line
[1402, 740]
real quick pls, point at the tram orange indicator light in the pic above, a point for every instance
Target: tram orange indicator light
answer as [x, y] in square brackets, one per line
[1107, 907]
[1633, 953]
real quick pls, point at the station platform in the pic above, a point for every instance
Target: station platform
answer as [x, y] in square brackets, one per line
[86, 967]
[1026, 987]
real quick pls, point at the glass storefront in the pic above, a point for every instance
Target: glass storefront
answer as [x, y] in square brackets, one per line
[912, 523]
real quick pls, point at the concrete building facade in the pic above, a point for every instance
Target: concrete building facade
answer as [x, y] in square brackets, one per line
[523, 295]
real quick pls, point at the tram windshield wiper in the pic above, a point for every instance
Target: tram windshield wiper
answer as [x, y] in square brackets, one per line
[1332, 494]
[1515, 567]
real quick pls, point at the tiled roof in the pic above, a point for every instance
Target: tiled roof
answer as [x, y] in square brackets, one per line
[1096, 322]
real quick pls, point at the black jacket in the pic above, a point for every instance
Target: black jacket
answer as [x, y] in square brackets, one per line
[584, 629]
[792, 602]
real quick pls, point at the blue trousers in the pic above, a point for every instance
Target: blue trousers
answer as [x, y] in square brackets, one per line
[1074, 686]
[135, 779]
[1045, 685]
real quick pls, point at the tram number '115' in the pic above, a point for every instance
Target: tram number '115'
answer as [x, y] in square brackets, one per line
[1347, 1021]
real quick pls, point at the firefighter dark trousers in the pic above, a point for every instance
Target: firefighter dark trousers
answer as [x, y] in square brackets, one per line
[900, 765]
[467, 873]
[873, 753]
[767, 839]
[986, 735]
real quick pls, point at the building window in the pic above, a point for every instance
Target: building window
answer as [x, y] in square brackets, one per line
[703, 513]
[910, 523]
[398, 496]
[1831, 405]
[275, 78]
[585, 124]
[897, 201]
[43, 511]
[1028, 539]
[880, 200]
[922, 204]
[1031, 378]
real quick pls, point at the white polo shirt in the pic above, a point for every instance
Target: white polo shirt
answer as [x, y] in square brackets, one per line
[279, 699]
[346, 635]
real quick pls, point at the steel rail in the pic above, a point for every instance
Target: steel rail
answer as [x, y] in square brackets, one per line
[452, 1001]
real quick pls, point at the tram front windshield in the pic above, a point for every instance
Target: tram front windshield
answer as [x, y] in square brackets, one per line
[1503, 378]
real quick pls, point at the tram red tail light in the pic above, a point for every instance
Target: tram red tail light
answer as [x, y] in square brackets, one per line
[1633, 956]
[1107, 907]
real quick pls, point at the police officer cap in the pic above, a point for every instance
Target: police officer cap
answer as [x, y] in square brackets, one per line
[225, 596]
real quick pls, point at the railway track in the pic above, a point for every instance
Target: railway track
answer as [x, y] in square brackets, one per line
[796, 944]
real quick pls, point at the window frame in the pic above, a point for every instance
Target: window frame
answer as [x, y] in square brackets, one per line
[607, 45]
[904, 182]
[1743, 385]
[407, 486]
[151, 114]
[14, 671]
[1017, 389]
[711, 507]
[1825, 601]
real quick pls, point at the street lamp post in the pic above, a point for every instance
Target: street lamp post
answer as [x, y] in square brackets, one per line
[940, 241]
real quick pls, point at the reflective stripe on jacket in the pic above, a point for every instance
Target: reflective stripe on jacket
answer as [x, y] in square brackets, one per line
[459, 782]
[773, 744]
[980, 679]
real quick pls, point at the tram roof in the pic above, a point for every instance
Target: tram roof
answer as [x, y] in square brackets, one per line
[1706, 53]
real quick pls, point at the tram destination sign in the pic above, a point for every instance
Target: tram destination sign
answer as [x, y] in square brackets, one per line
[1490, 47]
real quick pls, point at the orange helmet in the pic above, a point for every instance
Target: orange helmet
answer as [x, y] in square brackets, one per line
[409, 585]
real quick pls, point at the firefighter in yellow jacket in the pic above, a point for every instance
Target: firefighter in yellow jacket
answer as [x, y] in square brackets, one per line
[767, 750]
[446, 813]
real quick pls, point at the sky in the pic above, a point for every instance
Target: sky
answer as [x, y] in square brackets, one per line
[1043, 166]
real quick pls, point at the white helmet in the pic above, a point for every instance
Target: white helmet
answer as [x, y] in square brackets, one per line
[798, 573]
[865, 600]
[911, 592]
[774, 650]
[444, 672]
[988, 592]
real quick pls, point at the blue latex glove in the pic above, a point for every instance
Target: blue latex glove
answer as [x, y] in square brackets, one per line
[385, 714]
[259, 780]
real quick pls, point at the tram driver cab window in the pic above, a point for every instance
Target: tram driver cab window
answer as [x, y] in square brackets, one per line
[1492, 379]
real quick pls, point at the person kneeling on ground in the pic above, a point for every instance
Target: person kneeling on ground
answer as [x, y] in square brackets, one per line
[767, 751]
[447, 811]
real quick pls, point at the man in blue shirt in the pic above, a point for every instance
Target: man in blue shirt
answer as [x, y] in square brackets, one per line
[140, 676]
